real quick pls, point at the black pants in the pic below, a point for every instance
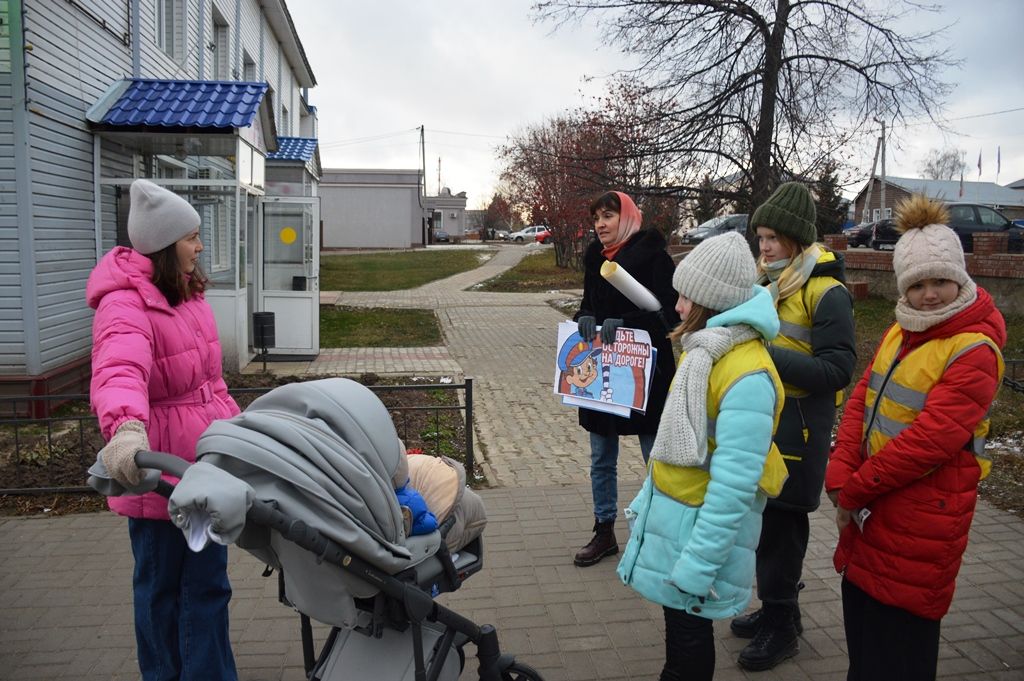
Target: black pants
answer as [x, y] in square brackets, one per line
[689, 647]
[886, 643]
[780, 556]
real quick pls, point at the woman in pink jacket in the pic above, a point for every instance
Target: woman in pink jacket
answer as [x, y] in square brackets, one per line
[157, 384]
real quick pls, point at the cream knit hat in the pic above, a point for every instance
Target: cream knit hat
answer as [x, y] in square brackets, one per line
[158, 217]
[718, 274]
[928, 249]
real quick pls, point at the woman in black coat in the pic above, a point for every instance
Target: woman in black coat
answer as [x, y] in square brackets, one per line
[641, 252]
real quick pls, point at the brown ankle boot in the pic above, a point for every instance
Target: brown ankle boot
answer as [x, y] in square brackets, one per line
[603, 544]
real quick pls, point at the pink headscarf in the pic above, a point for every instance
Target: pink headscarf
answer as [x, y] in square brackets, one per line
[630, 219]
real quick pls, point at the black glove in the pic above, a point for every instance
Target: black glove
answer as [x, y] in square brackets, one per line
[587, 326]
[608, 329]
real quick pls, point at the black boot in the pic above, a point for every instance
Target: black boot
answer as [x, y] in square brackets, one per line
[775, 641]
[746, 626]
[603, 544]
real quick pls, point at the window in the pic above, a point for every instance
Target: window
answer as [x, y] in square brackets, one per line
[248, 68]
[215, 208]
[221, 47]
[286, 123]
[990, 217]
[962, 215]
[170, 27]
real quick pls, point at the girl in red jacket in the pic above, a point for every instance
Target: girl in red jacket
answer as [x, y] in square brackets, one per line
[910, 452]
[157, 384]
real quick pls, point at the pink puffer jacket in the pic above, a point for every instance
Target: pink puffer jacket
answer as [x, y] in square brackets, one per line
[154, 363]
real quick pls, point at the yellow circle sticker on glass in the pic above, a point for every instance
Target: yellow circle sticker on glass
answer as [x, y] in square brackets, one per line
[288, 235]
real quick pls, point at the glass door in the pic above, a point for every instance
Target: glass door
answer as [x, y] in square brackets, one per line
[289, 272]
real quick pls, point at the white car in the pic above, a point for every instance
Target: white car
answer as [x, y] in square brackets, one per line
[527, 233]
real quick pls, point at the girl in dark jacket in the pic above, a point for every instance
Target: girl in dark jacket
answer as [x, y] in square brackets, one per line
[641, 252]
[814, 354]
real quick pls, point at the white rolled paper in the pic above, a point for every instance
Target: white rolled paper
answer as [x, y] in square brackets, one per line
[629, 287]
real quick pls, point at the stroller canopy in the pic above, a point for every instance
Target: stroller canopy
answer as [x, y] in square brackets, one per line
[325, 452]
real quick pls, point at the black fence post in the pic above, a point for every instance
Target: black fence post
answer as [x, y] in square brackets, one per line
[470, 464]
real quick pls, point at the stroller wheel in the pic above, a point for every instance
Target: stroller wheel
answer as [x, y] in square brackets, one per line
[518, 671]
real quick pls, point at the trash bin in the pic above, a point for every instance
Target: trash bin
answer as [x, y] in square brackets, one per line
[263, 330]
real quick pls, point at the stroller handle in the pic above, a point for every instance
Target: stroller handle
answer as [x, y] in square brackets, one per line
[151, 466]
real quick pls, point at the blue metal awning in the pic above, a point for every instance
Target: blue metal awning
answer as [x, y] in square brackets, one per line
[179, 103]
[294, 149]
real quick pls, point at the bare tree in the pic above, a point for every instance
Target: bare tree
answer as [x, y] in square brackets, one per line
[943, 164]
[770, 88]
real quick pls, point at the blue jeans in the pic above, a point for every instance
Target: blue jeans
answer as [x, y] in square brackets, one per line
[604, 481]
[181, 606]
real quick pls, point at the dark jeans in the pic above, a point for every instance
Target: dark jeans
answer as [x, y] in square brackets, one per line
[886, 643]
[689, 647]
[604, 480]
[780, 556]
[181, 606]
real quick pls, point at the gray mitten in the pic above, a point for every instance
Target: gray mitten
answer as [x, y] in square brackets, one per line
[587, 326]
[210, 503]
[608, 329]
[119, 454]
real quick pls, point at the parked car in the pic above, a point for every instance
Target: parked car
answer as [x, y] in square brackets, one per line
[501, 234]
[859, 235]
[883, 233]
[543, 237]
[527, 233]
[714, 227]
[441, 236]
[968, 219]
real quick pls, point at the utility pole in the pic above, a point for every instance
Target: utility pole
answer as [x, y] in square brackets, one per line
[439, 176]
[865, 214]
[881, 213]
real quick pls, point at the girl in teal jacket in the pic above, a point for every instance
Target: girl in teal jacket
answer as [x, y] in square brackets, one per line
[695, 524]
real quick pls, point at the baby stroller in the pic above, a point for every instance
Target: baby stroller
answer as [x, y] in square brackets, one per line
[302, 480]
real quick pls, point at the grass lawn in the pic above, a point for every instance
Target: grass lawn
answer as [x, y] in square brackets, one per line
[396, 270]
[352, 327]
[535, 273]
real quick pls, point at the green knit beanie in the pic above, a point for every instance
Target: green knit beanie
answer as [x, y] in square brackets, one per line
[790, 211]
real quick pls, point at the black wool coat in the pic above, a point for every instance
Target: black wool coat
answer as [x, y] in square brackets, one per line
[645, 258]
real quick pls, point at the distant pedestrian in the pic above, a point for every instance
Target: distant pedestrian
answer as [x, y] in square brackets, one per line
[641, 252]
[157, 384]
[814, 353]
[697, 518]
[910, 452]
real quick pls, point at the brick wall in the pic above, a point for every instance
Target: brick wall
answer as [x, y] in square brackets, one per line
[1000, 273]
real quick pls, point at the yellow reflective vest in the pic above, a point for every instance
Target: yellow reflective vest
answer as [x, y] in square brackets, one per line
[688, 484]
[898, 389]
[796, 316]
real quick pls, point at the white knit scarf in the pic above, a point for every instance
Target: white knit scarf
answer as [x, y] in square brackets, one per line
[682, 438]
[922, 320]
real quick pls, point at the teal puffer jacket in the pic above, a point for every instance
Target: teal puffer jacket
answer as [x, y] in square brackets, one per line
[701, 558]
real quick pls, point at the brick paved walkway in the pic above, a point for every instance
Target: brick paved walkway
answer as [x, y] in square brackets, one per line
[65, 582]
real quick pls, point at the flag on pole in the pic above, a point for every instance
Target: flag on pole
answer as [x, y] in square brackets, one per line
[961, 183]
[979, 164]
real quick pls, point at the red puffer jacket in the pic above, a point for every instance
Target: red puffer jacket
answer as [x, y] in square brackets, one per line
[921, 487]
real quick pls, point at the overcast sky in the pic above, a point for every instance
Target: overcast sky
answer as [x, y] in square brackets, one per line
[472, 72]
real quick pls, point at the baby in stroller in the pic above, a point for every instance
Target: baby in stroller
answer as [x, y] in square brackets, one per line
[304, 480]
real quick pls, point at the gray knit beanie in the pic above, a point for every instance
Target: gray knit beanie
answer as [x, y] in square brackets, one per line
[718, 274]
[790, 211]
[158, 217]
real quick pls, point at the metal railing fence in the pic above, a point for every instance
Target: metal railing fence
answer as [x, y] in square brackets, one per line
[31, 444]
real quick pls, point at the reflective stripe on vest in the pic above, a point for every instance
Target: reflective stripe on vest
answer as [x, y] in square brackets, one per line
[796, 315]
[897, 391]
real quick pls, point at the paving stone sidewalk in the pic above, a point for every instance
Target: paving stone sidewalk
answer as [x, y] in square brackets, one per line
[65, 583]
